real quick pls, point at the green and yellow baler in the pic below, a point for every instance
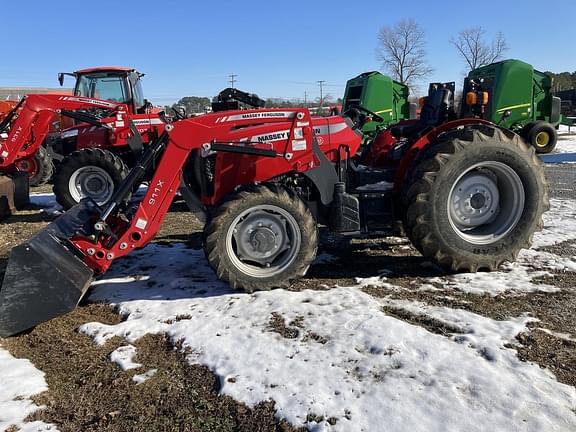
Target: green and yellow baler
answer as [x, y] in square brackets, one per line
[519, 98]
[381, 95]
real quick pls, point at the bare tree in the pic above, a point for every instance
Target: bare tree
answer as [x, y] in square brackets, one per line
[401, 49]
[473, 48]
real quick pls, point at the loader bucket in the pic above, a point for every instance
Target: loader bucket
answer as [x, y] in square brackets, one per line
[44, 278]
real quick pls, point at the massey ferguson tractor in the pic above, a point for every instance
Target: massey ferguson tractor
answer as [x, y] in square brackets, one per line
[91, 161]
[470, 194]
[97, 162]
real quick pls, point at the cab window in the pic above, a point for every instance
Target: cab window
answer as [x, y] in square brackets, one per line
[103, 86]
[138, 93]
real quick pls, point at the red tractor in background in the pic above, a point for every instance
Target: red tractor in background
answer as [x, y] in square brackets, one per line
[23, 133]
[6, 107]
[90, 160]
[469, 193]
[38, 165]
[111, 83]
[93, 156]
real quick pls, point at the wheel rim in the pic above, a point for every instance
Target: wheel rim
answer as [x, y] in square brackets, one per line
[263, 241]
[93, 182]
[27, 165]
[542, 139]
[486, 202]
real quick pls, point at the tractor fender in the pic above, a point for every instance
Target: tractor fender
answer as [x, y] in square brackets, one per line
[429, 138]
[323, 176]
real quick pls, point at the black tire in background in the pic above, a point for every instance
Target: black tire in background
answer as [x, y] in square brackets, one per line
[91, 173]
[476, 200]
[39, 167]
[264, 216]
[541, 135]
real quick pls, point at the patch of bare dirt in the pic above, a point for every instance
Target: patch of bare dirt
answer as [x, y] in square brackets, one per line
[88, 392]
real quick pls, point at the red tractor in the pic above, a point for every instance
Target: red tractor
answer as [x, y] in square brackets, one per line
[93, 156]
[470, 195]
[91, 161]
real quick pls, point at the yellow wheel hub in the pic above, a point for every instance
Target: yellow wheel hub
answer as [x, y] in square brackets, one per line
[542, 139]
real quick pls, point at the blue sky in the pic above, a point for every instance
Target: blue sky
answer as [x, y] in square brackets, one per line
[277, 49]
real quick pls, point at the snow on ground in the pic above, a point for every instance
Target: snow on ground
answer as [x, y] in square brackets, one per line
[139, 379]
[347, 359]
[566, 140]
[559, 226]
[123, 357]
[565, 151]
[47, 200]
[19, 381]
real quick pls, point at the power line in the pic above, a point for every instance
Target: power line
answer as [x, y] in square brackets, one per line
[321, 84]
[232, 79]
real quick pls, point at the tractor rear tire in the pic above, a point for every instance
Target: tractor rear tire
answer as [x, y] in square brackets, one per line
[542, 136]
[93, 173]
[39, 167]
[261, 238]
[476, 200]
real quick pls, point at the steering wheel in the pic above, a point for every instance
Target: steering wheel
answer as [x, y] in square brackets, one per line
[358, 114]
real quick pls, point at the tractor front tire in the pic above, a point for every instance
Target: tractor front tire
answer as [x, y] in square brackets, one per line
[542, 136]
[476, 200]
[88, 173]
[261, 238]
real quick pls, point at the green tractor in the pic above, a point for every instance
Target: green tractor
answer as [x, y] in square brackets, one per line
[517, 97]
[381, 95]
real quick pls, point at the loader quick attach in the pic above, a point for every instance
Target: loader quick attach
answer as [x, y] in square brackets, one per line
[469, 193]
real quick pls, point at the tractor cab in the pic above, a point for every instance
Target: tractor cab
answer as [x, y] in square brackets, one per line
[115, 84]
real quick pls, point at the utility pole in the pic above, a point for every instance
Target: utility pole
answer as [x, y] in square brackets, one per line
[305, 99]
[321, 84]
[232, 79]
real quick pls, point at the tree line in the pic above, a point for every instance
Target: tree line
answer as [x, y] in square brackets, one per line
[562, 81]
[402, 53]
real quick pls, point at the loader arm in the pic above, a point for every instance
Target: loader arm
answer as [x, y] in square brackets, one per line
[29, 122]
[47, 275]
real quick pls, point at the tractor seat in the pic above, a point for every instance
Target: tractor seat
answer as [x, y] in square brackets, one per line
[438, 105]
[407, 131]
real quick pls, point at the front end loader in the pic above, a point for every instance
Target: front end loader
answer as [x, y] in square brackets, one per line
[470, 195]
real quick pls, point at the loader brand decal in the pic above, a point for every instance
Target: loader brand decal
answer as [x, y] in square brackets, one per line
[276, 136]
[329, 129]
[88, 101]
[257, 115]
[156, 192]
[17, 134]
